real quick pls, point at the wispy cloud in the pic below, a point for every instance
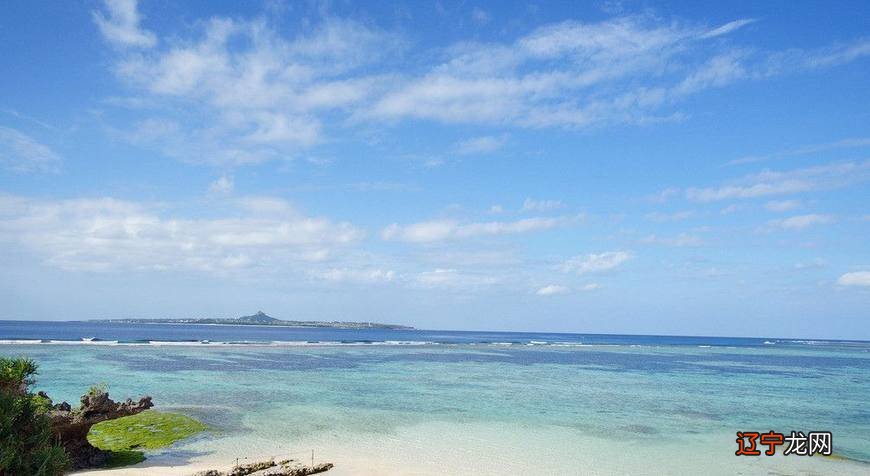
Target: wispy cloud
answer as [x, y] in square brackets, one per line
[119, 24]
[106, 234]
[817, 263]
[441, 230]
[670, 217]
[664, 195]
[800, 222]
[771, 182]
[481, 145]
[782, 205]
[681, 240]
[556, 289]
[22, 153]
[552, 290]
[531, 205]
[480, 16]
[240, 91]
[796, 59]
[551, 76]
[516, 83]
[454, 279]
[728, 28]
[855, 278]
[850, 143]
[223, 185]
[25, 117]
[595, 263]
[343, 275]
[247, 94]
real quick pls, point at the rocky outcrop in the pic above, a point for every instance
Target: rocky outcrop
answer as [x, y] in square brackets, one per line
[71, 426]
[269, 467]
[294, 471]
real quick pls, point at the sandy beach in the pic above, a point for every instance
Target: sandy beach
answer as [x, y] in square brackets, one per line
[498, 449]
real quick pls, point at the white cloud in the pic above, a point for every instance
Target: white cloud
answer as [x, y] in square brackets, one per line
[800, 222]
[340, 275]
[555, 289]
[481, 145]
[669, 217]
[681, 240]
[479, 258]
[767, 183]
[121, 27]
[748, 191]
[854, 142]
[22, 153]
[716, 72]
[454, 279]
[546, 77]
[855, 278]
[551, 290]
[817, 263]
[223, 185]
[595, 263]
[104, 234]
[782, 205]
[440, 230]
[728, 27]
[664, 195]
[480, 16]
[243, 91]
[630, 69]
[731, 209]
[530, 205]
[247, 94]
[795, 59]
[422, 232]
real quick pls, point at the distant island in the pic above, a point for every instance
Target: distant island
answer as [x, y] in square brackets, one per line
[260, 319]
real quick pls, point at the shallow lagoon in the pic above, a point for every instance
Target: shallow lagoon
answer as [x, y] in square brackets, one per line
[554, 406]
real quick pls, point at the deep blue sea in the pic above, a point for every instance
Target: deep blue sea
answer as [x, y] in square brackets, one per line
[450, 402]
[74, 331]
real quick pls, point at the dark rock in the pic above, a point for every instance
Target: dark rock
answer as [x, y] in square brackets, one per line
[270, 468]
[250, 468]
[72, 427]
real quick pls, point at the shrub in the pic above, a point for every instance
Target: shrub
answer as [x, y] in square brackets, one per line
[26, 442]
[98, 389]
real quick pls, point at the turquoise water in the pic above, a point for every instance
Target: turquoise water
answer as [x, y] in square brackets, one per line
[646, 397]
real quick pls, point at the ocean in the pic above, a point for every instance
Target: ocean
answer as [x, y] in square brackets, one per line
[449, 402]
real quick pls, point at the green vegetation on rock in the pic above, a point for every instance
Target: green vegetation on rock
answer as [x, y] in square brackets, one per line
[147, 430]
[119, 459]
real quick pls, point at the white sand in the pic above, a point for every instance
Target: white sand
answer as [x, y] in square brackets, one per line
[498, 449]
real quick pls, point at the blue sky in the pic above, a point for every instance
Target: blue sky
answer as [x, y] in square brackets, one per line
[620, 167]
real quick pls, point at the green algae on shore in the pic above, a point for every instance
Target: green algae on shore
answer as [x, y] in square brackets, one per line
[149, 430]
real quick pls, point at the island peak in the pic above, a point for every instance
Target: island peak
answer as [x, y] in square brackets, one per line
[262, 319]
[259, 318]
